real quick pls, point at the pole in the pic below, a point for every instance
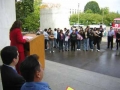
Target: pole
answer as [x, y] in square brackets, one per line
[103, 17]
[78, 13]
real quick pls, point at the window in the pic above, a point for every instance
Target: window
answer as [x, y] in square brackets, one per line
[117, 21]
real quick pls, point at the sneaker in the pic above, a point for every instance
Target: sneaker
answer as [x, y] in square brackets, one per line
[98, 50]
[53, 51]
[91, 49]
[77, 49]
[50, 51]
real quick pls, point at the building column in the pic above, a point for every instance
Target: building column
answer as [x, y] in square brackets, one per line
[7, 17]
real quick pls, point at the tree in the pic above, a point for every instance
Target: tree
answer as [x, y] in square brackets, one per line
[29, 16]
[92, 5]
[104, 11]
[32, 20]
[89, 11]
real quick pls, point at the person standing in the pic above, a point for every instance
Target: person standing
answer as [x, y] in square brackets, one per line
[55, 38]
[98, 36]
[73, 38]
[79, 39]
[110, 37]
[118, 40]
[86, 39]
[61, 38]
[101, 30]
[67, 36]
[51, 40]
[46, 38]
[11, 80]
[16, 39]
[91, 38]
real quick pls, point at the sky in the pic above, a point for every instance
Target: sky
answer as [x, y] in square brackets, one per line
[114, 5]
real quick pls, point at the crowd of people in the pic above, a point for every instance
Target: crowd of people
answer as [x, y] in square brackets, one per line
[78, 39]
[66, 39]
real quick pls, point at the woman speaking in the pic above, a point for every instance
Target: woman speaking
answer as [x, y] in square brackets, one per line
[17, 40]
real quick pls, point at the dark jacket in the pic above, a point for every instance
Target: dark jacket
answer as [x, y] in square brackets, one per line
[99, 36]
[91, 36]
[59, 37]
[117, 37]
[83, 35]
[11, 80]
[73, 36]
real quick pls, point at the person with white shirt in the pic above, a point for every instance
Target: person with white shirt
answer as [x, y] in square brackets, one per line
[46, 37]
[55, 38]
[110, 37]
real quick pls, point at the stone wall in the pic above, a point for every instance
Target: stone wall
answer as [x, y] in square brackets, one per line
[54, 18]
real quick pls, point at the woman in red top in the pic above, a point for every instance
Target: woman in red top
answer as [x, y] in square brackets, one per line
[17, 40]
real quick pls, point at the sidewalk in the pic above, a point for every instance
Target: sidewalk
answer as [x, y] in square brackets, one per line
[61, 76]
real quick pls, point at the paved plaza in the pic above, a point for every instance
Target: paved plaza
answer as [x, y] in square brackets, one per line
[83, 70]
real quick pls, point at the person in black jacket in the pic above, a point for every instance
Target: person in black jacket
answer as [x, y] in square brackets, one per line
[118, 38]
[98, 36]
[61, 38]
[11, 80]
[91, 38]
[73, 38]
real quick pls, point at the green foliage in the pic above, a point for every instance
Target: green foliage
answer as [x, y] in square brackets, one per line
[93, 15]
[28, 12]
[110, 16]
[92, 5]
[88, 11]
[104, 11]
[91, 18]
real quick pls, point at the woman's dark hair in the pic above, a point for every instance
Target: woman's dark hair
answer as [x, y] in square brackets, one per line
[29, 67]
[16, 24]
[8, 53]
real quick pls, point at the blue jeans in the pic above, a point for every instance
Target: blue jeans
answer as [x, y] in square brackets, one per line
[86, 44]
[66, 45]
[55, 43]
[91, 44]
[82, 44]
[51, 45]
[78, 44]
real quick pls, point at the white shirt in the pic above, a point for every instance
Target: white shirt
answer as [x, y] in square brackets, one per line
[55, 34]
[111, 33]
[45, 35]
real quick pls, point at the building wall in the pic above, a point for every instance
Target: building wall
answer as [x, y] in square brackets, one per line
[54, 18]
[7, 17]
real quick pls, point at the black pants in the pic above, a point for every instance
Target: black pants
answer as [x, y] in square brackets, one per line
[46, 43]
[118, 44]
[110, 41]
[73, 45]
[60, 44]
[98, 43]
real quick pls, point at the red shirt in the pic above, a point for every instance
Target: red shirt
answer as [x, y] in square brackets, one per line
[17, 40]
